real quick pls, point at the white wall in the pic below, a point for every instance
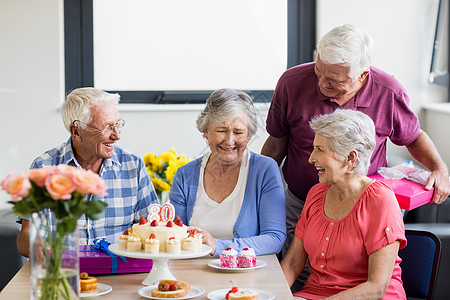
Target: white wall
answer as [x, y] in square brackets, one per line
[32, 77]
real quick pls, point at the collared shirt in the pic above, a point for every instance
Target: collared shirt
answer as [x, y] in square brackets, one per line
[338, 250]
[297, 100]
[130, 192]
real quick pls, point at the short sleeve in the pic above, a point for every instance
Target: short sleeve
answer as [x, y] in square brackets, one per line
[380, 218]
[276, 123]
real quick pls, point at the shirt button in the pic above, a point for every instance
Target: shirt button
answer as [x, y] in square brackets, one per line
[327, 238]
[331, 224]
[323, 254]
[321, 266]
[388, 229]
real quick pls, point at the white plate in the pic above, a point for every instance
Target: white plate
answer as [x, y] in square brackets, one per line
[220, 294]
[194, 292]
[215, 263]
[183, 254]
[101, 290]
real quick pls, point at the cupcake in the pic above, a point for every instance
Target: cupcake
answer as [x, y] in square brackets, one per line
[151, 244]
[189, 244]
[247, 258]
[123, 240]
[134, 243]
[173, 245]
[228, 258]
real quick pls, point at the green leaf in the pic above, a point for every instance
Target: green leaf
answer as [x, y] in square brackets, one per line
[94, 207]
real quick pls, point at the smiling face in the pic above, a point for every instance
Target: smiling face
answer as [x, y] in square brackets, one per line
[228, 140]
[330, 169]
[92, 145]
[334, 81]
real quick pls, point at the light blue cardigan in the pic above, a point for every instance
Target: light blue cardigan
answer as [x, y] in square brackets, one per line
[261, 223]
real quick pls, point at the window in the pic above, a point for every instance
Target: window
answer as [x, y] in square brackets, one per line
[179, 51]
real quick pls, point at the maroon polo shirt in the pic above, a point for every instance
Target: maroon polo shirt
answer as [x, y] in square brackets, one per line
[297, 99]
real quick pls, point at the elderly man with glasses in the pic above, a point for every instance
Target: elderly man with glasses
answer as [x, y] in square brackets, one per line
[94, 123]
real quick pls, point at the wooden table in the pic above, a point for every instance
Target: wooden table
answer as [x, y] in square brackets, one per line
[194, 271]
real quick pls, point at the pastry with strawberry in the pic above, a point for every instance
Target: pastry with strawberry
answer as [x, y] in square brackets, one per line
[88, 284]
[246, 258]
[228, 258]
[193, 242]
[123, 239]
[173, 245]
[171, 289]
[151, 244]
[237, 294]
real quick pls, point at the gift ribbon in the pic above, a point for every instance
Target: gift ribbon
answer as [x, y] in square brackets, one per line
[102, 246]
[420, 176]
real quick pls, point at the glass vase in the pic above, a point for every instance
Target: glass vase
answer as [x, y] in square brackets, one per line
[53, 259]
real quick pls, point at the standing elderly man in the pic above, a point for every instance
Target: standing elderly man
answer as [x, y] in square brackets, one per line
[94, 123]
[342, 77]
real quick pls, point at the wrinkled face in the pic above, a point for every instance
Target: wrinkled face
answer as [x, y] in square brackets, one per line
[93, 142]
[330, 169]
[334, 81]
[228, 140]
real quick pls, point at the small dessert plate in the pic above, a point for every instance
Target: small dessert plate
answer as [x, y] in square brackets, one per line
[220, 294]
[101, 290]
[194, 292]
[215, 263]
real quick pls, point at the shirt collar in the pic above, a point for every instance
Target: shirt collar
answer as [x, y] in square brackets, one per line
[69, 158]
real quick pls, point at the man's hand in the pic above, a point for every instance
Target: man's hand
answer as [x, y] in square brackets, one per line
[441, 183]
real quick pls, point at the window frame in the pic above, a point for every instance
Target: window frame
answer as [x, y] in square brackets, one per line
[79, 53]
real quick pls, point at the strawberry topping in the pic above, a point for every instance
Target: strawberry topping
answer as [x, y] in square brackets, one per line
[163, 286]
[169, 224]
[154, 223]
[152, 236]
[178, 222]
[142, 220]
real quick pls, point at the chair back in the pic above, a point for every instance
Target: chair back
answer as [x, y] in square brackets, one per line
[420, 261]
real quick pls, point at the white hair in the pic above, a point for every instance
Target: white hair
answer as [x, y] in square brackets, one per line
[79, 103]
[348, 130]
[349, 46]
[226, 104]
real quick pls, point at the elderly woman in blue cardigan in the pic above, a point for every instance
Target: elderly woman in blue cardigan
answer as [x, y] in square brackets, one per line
[232, 196]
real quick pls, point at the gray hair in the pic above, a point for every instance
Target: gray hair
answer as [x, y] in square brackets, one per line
[226, 104]
[80, 101]
[349, 46]
[348, 130]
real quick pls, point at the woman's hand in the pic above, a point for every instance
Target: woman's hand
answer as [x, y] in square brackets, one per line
[207, 238]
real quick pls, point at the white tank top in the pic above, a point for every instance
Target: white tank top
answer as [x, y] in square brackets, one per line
[217, 218]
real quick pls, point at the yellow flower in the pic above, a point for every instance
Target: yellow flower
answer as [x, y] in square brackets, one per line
[160, 184]
[162, 168]
[152, 163]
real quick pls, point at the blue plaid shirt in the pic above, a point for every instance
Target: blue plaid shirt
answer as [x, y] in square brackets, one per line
[130, 192]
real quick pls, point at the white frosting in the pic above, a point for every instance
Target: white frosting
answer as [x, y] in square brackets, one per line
[198, 236]
[124, 237]
[229, 252]
[249, 252]
[132, 238]
[173, 241]
[189, 239]
[151, 241]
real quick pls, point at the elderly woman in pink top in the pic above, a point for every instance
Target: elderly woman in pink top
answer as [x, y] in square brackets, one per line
[351, 227]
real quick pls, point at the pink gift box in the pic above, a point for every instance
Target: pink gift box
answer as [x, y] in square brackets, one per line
[96, 262]
[409, 194]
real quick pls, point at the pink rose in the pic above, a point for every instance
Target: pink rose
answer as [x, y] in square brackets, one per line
[60, 186]
[88, 182]
[65, 169]
[16, 185]
[38, 176]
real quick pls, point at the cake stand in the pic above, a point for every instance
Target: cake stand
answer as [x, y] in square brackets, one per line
[160, 268]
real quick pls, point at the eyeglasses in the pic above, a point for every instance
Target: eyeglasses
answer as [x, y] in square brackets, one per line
[108, 129]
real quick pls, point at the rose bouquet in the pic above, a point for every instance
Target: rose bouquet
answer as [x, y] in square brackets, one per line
[58, 191]
[162, 169]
